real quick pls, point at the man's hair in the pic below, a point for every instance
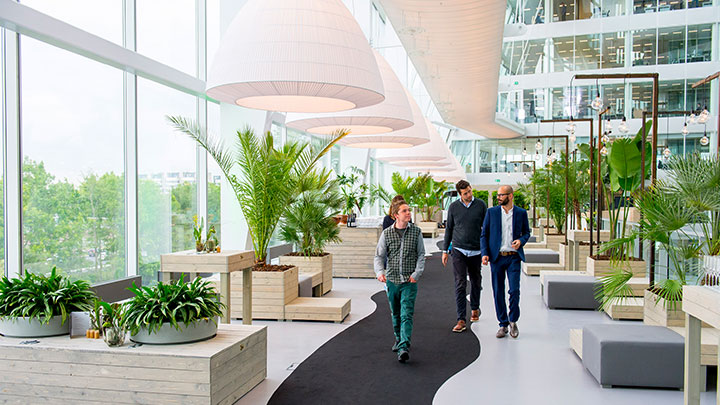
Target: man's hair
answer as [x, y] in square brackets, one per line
[461, 185]
[395, 207]
[394, 200]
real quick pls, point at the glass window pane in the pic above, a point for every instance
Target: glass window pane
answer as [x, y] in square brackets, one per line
[614, 97]
[73, 166]
[641, 98]
[534, 12]
[587, 52]
[98, 17]
[612, 8]
[672, 95]
[699, 39]
[671, 45]
[699, 3]
[697, 98]
[534, 105]
[534, 57]
[562, 59]
[667, 5]
[586, 9]
[644, 6]
[166, 176]
[214, 174]
[166, 32]
[563, 10]
[613, 50]
[2, 162]
[644, 45]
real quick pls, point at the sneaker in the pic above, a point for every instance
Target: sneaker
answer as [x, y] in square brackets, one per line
[514, 332]
[475, 315]
[403, 356]
[460, 327]
[396, 346]
[501, 332]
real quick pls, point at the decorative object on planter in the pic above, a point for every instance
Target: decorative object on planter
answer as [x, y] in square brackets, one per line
[177, 312]
[197, 233]
[38, 305]
[211, 242]
[113, 324]
[95, 321]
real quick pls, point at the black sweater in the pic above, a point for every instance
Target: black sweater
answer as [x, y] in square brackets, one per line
[464, 225]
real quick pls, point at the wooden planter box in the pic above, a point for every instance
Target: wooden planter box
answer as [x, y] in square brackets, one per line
[566, 255]
[633, 215]
[354, 256]
[657, 313]
[553, 239]
[429, 227]
[599, 268]
[271, 290]
[311, 265]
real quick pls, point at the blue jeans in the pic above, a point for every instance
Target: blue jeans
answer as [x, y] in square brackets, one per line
[506, 266]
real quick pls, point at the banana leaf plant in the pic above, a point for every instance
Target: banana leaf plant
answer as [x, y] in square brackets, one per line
[263, 176]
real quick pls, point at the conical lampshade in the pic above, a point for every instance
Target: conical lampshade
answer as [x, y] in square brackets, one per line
[295, 56]
[392, 114]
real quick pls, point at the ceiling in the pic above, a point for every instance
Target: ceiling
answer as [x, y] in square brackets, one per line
[456, 47]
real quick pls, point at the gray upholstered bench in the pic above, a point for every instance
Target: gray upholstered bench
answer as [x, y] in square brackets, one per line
[633, 355]
[570, 291]
[542, 256]
[305, 287]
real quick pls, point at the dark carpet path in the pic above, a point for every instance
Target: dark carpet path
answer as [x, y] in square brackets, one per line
[358, 367]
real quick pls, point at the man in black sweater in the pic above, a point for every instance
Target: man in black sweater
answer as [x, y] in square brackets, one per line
[464, 227]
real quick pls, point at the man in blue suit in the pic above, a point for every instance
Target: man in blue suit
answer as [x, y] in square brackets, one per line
[505, 231]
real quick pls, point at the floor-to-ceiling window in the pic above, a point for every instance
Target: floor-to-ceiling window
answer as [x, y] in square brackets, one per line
[167, 196]
[166, 32]
[73, 167]
[671, 45]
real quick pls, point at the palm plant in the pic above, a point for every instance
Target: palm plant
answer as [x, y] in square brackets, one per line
[547, 187]
[404, 186]
[308, 222]
[672, 210]
[430, 195]
[41, 297]
[578, 178]
[356, 192]
[268, 175]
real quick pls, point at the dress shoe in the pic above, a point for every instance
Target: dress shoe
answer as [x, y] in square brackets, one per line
[514, 332]
[396, 346]
[403, 356]
[475, 315]
[460, 327]
[501, 332]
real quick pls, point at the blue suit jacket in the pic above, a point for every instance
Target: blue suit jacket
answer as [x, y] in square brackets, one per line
[491, 237]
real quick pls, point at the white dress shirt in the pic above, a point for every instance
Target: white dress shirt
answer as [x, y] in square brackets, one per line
[507, 231]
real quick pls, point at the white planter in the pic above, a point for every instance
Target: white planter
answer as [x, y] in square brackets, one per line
[200, 330]
[24, 327]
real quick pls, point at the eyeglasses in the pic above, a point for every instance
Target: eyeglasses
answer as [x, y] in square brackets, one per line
[503, 194]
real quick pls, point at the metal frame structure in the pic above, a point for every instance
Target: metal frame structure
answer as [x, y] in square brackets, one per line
[708, 79]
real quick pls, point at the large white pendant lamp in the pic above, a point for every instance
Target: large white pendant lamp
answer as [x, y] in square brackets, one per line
[431, 151]
[295, 56]
[392, 114]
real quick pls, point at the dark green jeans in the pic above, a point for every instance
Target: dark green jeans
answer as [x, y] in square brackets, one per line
[402, 308]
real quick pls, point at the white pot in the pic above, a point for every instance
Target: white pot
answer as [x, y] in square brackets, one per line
[199, 330]
[26, 327]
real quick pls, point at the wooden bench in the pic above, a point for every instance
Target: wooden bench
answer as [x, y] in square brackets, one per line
[318, 309]
[534, 269]
[60, 370]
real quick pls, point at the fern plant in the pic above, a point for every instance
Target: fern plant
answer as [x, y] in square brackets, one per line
[42, 297]
[174, 303]
[267, 176]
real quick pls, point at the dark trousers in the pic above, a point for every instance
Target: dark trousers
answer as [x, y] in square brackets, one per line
[464, 266]
[506, 266]
[402, 308]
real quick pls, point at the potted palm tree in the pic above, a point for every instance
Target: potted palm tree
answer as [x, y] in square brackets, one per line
[267, 182]
[308, 224]
[37, 305]
[178, 312]
[355, 192]
[681, 215]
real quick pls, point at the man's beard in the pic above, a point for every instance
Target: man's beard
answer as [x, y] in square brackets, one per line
[505, 202]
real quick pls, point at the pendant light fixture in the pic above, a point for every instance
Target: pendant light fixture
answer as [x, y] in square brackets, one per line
[704, 115]
[685, 130]
[622, 127]
[604, 150]
[272, 58]
[608, 126]
[365, 124]
[597, 103]
[704, 141]
[538, 145]
[431, 151]
[605, 138]
[692, 119]
[667, 152]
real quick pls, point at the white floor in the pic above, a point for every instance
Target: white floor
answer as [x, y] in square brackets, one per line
[537, 368]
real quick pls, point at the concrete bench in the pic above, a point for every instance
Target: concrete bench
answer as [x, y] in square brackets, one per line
[542, 256]
[569, 291]
[633, 355]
